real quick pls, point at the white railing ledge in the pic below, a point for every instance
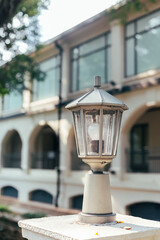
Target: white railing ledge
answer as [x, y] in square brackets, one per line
[67, 227]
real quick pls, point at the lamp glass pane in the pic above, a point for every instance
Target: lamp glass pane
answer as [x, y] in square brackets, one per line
[78, 132]
[111, 127]
[117, 126]
[92, 128]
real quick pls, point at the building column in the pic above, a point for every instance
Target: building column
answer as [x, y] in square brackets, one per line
[117, 52]
[24, 156]
[65, 70]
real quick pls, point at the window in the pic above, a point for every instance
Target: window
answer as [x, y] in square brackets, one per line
[147, 210]
[139, 148]
[142, 44]
[45, 155]
[13, 101]
[9, 192]
[41, 196]
[76, 202]
[49, 87]
[12, 150]
[89, 59]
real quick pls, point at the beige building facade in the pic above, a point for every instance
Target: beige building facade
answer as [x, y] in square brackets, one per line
[38, 151]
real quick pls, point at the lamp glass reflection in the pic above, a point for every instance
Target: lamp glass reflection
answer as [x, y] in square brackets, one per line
[111, 128]
[78, 132]
[92, 129]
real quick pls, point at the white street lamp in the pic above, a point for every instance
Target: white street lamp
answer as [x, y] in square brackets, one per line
[97, 119]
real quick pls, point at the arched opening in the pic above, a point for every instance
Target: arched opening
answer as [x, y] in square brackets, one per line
[143, 154]
[76, 163]
[41, 196]
[76, 202]
[9, 192]
[147, 210]
[11, 150]
[44, 150]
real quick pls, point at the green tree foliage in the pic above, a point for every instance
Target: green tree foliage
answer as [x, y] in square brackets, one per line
[125, 8]
[19, 32]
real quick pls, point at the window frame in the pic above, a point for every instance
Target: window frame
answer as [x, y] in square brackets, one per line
[143, 166]
[107, 46]
[50, 68]
[133, 36]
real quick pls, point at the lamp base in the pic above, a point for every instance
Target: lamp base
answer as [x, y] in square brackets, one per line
[97, 206]
[97, 219]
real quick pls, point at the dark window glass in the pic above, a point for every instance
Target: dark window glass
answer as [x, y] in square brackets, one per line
[45, 154]
[12, 151]
[139, 148]
[147, 210]
[9, 192]
[77, 202]
[41, 196]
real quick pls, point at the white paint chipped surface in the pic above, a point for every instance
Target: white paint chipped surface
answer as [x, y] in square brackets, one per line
[68, 228]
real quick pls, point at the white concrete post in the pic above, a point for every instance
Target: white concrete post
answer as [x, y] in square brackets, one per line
[68, 227]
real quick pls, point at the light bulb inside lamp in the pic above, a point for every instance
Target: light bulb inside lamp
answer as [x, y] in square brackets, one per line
[93, 132]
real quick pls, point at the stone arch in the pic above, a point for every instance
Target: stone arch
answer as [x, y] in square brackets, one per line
[11, 150]
[9, 191]
[139, 118]
[43, 148]
[129, 122]
[40, 195]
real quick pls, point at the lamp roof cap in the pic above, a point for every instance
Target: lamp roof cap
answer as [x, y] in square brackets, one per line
[97, 97]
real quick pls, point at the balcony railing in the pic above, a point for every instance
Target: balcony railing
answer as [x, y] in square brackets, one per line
[143, 160]
[44, 160]
[11, 160]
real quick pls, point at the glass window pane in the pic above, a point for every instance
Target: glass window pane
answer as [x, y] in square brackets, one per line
[130, 63]
[149, 21]
[49, 87]
[50, 63]
[13, 101]
[74, 75]
[117, 127]
[79, 132]
[130, 30]
[90, 66]
[92, 45]
[75, 53]
[147, 53]
[109, 118]
[92, 122]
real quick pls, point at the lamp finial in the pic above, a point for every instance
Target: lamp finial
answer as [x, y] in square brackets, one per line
[97, 81]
